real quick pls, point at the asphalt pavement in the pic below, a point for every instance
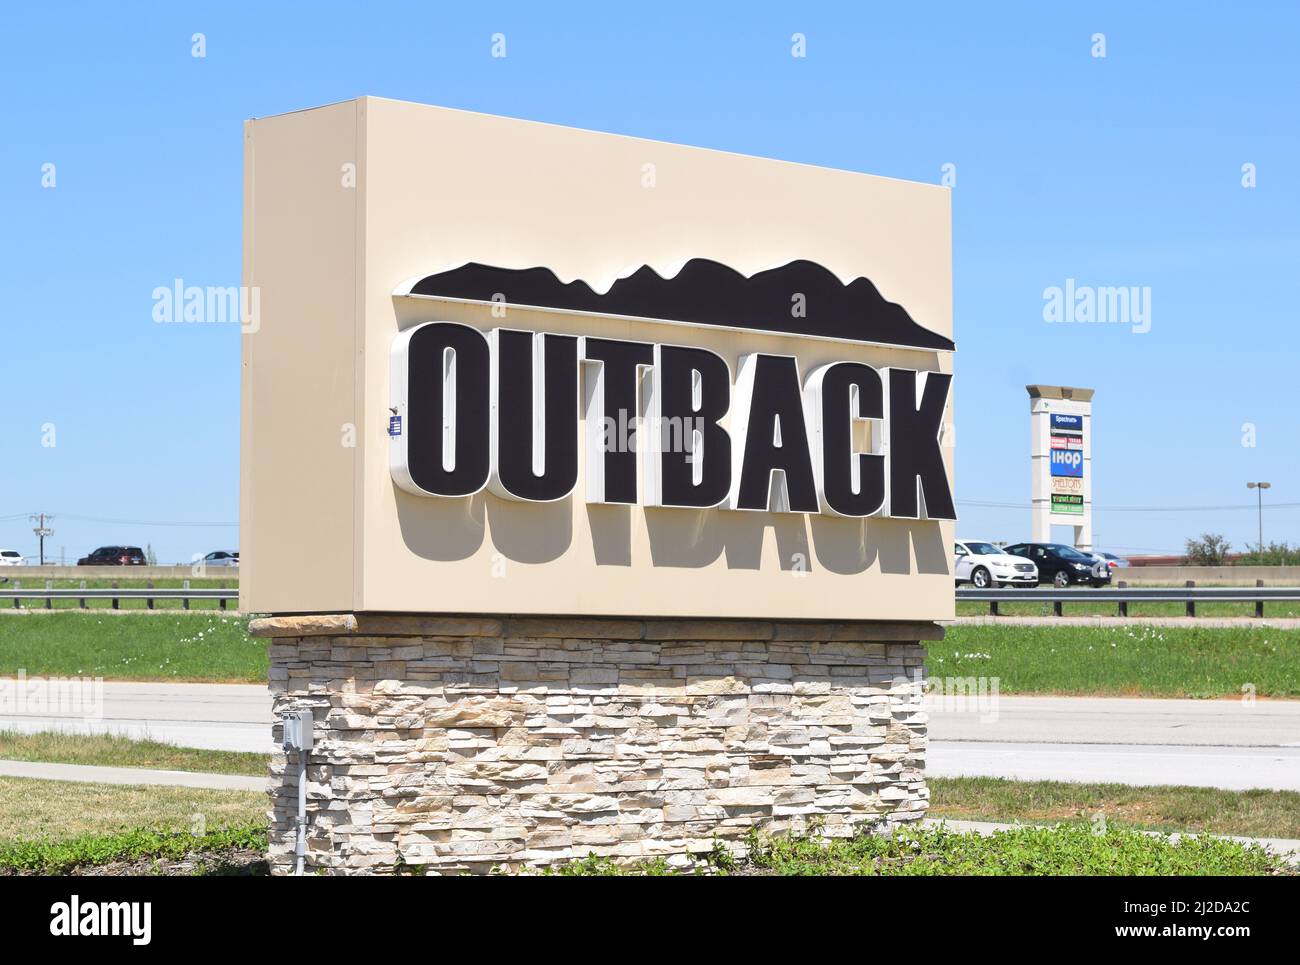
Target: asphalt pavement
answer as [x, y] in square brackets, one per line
[232, 717]
[1233, 744]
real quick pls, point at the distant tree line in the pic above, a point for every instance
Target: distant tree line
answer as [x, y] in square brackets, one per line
[1274, 554]
[1211, 549]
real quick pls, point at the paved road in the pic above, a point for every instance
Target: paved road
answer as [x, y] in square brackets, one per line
[234, 717]
[1233, 769]
[1209, 743]
[1116, 720]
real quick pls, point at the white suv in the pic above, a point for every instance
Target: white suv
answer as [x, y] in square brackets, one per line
[221, 558]
[11, 558]
[983, 565]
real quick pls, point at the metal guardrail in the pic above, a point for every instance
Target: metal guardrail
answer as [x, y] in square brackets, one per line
[1120, 595]
[149, 594]
[1123, 595]
[32, 572]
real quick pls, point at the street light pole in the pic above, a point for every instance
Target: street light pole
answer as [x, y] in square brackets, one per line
[1260, 487]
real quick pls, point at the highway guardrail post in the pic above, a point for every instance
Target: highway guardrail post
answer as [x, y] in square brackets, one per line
[1123, 604]
[1259, 604]
[1191, 604]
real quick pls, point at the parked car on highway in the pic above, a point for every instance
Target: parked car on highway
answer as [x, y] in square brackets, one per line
[114, 556]
[1062, 565]
[12, 558]
[984, 565]
[221, 558]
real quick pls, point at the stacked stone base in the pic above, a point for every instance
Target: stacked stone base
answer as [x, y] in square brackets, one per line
[463, 744]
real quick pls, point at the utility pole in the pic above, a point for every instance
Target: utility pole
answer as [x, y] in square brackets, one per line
[42, 531]
[1260, 487]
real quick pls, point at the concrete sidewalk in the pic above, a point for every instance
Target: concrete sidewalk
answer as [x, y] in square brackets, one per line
[130, 775]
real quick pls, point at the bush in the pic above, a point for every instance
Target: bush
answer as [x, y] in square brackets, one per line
[1208, 550]
[1275, 554]
[61, 857]
[1067, 849]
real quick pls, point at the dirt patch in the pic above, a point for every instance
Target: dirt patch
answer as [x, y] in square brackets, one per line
[236, 862]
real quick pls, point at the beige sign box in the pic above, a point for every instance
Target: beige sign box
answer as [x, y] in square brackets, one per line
[345, 204]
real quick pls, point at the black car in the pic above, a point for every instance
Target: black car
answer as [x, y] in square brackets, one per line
[114, 556]
[1062, 565]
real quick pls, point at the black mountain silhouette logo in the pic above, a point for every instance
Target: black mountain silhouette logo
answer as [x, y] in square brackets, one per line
[705, 292]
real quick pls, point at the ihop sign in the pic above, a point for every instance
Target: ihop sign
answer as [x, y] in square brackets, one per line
[1067, 462]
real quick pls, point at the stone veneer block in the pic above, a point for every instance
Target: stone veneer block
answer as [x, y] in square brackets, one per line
[462, 743]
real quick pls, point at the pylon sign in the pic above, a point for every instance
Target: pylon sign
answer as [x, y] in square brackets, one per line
[1061, 458]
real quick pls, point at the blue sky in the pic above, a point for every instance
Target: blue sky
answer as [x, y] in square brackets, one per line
[1122, 170]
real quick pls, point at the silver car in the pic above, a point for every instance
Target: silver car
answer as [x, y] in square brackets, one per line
[983, 565]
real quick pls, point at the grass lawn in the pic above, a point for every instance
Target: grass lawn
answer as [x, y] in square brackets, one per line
[1116, 661]
[1256, 814]
[1129, 661]
[37, 809]
[238, 849]
[133, 647]
[54, 826]
[112, 751]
